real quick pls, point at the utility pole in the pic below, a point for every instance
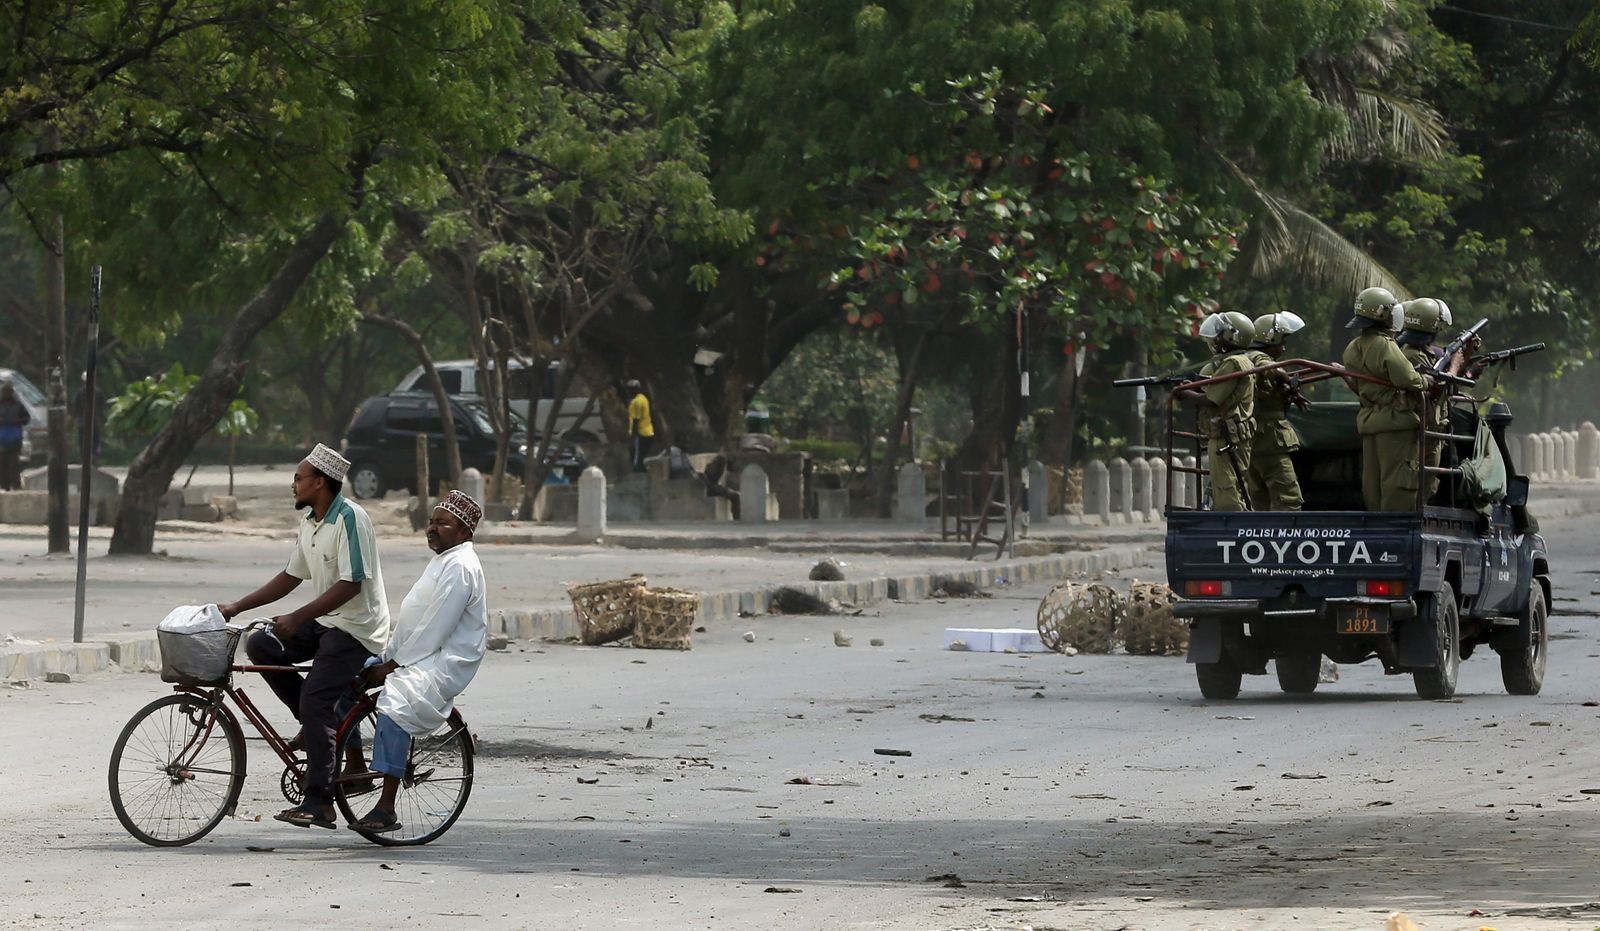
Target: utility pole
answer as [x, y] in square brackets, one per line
[1026, 409]
[55, 287]
[86, 457]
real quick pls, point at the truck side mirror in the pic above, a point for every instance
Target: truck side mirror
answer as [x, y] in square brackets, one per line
[1517, 491]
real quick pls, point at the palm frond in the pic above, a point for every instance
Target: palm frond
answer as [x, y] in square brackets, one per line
[1285, 239]
[1384, 123]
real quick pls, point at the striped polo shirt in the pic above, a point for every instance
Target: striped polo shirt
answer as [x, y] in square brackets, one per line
[342, 546]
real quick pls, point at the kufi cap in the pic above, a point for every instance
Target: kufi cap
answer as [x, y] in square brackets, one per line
[325, 460]
[460, 505]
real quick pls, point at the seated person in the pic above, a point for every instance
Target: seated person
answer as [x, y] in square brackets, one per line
[439, 640]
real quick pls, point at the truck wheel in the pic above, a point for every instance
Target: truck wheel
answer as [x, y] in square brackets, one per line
[1439, 680]
[1220, 679]
[1299, 674]
[1522, 668]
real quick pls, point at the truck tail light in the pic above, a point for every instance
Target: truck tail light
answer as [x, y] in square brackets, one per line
[1204, 589]
[1383, 588]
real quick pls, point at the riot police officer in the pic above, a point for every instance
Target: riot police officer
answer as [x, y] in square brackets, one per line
[1422, 319]
[1229, 408]
[1389, 416]
[1270, 477]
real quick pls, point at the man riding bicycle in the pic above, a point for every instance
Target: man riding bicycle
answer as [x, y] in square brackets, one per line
[338, 630]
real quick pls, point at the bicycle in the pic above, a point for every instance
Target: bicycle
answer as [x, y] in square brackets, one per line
[178, 767]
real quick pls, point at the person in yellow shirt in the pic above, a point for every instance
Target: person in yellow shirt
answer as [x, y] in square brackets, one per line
[641, 431]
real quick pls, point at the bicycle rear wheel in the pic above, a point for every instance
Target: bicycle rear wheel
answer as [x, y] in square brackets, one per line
[433, 792]
[177, 770]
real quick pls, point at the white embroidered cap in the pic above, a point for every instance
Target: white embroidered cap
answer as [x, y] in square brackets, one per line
[325, 460]
[460, 505]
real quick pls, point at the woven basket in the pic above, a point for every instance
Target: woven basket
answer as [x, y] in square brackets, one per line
[606, 609]
[664, 619]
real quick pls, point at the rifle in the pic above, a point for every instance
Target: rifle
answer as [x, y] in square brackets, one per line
[1505, 355]
[1176, 378]
[1456, 345]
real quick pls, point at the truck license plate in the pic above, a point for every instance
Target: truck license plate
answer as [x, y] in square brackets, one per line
[1362, 619]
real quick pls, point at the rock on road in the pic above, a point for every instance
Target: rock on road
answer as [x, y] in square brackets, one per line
[1084, 793]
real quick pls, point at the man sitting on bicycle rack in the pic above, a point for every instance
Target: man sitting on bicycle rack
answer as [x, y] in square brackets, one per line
[338, 630]
[439, 640]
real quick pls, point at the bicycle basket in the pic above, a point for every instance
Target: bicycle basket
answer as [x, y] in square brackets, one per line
[197, 658]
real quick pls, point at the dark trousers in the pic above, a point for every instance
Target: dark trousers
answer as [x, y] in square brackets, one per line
[10, 467]
[641, 449]
[336, 658]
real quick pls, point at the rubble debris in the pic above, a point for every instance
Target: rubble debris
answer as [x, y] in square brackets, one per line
[781, 890]
[57, 677]
[876, 641]
[749, 636]
[827, 570]
[943, 587]
[788, 600]
[499, 644]
[884, 751]
[842, 639]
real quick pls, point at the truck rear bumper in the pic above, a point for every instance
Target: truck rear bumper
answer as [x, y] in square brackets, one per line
[1246, 609]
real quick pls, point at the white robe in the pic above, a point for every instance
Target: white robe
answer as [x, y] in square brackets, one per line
[439, 639]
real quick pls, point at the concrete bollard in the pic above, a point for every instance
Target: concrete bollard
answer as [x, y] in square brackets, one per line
[591, 505]
[1558, 455]
[1533, 453]
[1588, 451]
[1191, 483]
[1038, 493]
[472, 484]
[1141, 489]
[1097, 491]
[1571, 464]
[753, 488]
[1121, 490]
[911, 495]
[1519, 461]
[1158, 487]
[1547, 457]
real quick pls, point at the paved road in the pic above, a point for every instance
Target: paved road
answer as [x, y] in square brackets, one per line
[1085, 793]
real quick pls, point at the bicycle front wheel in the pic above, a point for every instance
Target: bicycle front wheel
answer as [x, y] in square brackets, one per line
[433, 792]
[177, 770]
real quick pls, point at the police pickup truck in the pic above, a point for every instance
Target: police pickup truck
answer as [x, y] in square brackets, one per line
[1419, 591]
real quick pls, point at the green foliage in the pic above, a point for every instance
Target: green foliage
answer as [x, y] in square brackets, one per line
[147, 404]
[837, 383]
[240, 420]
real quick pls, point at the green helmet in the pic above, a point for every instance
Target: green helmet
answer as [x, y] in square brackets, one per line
[1376, 305]
[1423, 315]
[1232, 329]
[1272, 328]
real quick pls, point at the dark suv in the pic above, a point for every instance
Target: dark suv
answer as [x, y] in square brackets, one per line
[381, 441]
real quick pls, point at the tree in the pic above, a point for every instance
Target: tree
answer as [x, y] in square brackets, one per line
[270, 126]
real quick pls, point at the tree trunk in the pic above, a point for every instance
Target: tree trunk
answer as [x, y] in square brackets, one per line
[996, 410]
[55, 285]
[447, 422]
[910, 372]
[1063, 427]
[151, 473]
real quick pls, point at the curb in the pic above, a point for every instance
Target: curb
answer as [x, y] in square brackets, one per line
[562, 623]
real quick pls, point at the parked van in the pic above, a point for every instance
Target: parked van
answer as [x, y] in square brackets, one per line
[460, 377]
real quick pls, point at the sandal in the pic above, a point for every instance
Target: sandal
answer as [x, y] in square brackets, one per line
[305, 816]
[377, 822]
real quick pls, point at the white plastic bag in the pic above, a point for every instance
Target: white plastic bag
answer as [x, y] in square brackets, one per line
[193, 619]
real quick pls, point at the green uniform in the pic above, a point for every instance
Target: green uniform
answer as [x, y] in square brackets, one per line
[1270, 477]
[1387, 421]
[1228, 417]
[1437, 418]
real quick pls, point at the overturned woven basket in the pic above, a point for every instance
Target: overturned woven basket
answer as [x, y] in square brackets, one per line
[606, 609]
[664, 618]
